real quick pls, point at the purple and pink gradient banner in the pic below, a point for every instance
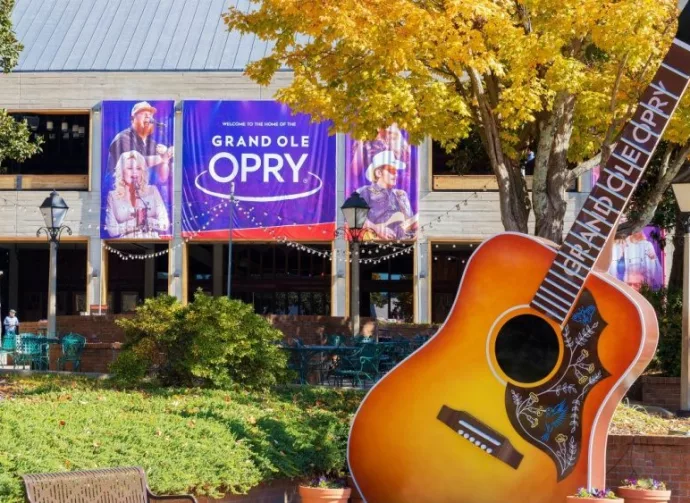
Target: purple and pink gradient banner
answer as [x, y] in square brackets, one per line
[385, 172]
[136, 169]
[282, 166]
[638, 259]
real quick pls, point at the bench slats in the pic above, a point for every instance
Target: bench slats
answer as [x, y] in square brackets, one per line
[109, 485]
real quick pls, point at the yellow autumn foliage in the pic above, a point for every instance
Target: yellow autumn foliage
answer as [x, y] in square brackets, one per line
[367, 63]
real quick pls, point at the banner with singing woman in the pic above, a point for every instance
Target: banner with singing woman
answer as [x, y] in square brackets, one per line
[136, 169]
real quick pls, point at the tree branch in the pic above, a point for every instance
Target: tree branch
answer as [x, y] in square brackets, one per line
[583, 168]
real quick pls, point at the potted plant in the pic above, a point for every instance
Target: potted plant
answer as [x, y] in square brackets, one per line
[325, 489]
[593, 495]
[649, 489]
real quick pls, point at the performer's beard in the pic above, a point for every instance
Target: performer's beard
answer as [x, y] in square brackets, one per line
[143, 129]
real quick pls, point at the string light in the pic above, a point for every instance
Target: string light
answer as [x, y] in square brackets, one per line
[394, 248]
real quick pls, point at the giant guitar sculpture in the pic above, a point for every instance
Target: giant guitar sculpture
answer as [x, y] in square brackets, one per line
[511, 400]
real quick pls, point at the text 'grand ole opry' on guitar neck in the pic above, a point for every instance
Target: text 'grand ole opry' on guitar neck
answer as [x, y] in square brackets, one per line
[512, 399]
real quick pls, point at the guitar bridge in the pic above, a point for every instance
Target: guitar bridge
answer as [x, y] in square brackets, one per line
[480, 435]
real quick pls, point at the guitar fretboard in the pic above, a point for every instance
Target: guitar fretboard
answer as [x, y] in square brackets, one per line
[598, 217]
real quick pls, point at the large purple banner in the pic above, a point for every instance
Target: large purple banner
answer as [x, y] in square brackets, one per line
[136, 169]
[385, 171]
[282, 167]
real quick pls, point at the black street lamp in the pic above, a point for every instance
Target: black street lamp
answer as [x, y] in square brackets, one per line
[54, 208]
[355, 210]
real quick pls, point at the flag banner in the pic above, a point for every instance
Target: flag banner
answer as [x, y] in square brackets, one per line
[281, 165]
[136, 169]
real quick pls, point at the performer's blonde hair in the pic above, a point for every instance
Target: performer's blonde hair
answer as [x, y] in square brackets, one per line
[119, 169]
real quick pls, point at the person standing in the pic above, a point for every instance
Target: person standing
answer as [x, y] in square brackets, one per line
[11, 323]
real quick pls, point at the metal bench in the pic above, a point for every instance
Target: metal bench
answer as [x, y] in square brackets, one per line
[110, 485]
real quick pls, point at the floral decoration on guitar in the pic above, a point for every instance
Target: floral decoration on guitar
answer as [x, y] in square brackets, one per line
[549, 416]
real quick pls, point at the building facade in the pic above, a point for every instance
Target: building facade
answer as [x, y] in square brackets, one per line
[80, 55]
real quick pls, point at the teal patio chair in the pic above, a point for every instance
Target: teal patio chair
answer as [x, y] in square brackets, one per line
[72, 348]
[361, 366]
[29, 351]
[9, 345]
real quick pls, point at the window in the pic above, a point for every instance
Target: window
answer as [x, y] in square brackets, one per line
[447, 266]
[386, 288]
[65, 149]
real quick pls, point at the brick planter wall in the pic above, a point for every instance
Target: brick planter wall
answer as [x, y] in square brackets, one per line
[662, 457]
[661, 392]
[104, 337]
[666, 458]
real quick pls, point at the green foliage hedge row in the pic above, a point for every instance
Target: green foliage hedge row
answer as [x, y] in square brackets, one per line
[211, 341]
[189, 440]
[668, 305]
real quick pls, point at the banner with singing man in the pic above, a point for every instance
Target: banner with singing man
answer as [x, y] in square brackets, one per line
[136, 169]
[281, 165]
[385, 171]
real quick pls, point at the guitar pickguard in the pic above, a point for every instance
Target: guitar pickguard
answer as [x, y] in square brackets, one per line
[549, 416]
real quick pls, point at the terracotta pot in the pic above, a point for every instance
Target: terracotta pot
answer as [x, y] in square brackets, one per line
[321, 495]
[575, 499]
[640, 495]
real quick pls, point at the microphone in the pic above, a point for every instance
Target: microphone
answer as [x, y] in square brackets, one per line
[159, 124]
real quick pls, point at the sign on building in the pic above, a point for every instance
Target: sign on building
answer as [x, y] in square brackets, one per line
[385, 172]
[136, 169]
[281, 165]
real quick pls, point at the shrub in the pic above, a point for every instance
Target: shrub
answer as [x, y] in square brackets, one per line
[668, 304]
[205, 441]
[211, 341]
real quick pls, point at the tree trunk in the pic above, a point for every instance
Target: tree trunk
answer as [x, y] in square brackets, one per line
[553, 202]
[513, 197]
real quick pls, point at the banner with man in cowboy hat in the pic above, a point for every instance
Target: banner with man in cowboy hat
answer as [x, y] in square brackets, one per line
[384, 171]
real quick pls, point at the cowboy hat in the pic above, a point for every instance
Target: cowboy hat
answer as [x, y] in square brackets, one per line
[142, 105]
[385, 158]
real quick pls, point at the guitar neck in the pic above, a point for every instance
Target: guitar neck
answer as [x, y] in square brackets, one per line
[599, 215]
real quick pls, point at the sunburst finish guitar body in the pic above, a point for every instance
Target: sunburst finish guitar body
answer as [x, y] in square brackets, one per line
[511, 400]
[400, 451]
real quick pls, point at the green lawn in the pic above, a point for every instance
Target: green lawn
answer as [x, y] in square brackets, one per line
[188, 440]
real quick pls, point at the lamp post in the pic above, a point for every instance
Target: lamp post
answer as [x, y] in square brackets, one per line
[54, 208]
[355, 210]
[682, 193]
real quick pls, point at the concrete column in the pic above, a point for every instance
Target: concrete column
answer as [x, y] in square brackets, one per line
[422, 280]
[685, 357]
[95, 268]
[177, 275]
[149, 273]
[218, 270]
[13, 279]
[95, 271]
[339, 291]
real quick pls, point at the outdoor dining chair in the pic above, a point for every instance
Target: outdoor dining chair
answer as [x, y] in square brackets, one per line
[29, 351]
[72, 349]
[8, 347]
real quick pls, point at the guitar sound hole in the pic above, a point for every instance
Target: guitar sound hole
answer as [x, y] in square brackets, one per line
[527, 349]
